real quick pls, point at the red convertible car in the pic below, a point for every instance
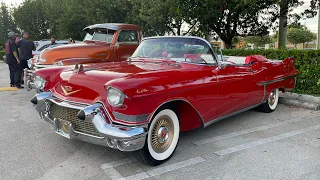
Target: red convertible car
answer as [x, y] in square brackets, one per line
[169, 85]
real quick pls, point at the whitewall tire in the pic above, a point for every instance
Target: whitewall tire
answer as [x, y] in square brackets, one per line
[162, 138]
[272, 102]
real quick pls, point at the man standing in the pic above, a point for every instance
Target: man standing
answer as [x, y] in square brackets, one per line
[12, 56]
[26, 47]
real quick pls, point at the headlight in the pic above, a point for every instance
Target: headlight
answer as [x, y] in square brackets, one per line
[39, 82]
[115, 97]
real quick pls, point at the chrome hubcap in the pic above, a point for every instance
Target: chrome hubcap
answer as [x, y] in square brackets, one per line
[272, 98]
[162, 134]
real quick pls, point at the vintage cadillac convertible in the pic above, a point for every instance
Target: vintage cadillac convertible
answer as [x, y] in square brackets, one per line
[169, 85]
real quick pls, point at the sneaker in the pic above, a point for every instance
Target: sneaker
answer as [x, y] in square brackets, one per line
[22, 82]
[20, 87]
[11, 85]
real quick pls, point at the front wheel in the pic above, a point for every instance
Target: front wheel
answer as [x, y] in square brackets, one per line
[272, 102]
[162, 138]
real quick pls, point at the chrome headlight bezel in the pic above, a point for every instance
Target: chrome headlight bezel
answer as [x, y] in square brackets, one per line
[115, 97]
[39, 82]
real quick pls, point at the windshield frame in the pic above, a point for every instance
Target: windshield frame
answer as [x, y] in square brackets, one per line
[210, 50]
[94, 32]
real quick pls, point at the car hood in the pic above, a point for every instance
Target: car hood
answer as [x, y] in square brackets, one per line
[90, 84]
[79, 50]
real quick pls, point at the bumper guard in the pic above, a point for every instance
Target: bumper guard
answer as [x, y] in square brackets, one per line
[123, 138]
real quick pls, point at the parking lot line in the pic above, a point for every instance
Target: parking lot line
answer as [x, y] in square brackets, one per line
[247, 131]
[117, 163]
[165, 169]
[265, 140]
[8, 89]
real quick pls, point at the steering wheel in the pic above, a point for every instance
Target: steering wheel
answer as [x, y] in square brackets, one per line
[201, 60]
[197, 59]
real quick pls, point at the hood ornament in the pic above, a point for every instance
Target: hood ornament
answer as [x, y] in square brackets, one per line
[67, 90]
[78, 68]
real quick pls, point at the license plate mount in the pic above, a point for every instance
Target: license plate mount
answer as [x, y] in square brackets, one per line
[63, 128]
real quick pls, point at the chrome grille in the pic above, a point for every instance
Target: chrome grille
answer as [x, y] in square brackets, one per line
[69, 114]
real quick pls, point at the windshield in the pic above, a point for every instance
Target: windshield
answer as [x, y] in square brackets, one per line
[100, 34]
[179, 49]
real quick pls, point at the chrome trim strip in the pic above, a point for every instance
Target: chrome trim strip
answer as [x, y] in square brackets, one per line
[43, 65]
[130, 118]
[275, 80]
[229, 115]
[179, 99]
[66, 103]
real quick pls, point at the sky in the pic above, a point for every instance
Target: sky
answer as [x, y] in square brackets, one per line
[312, 23]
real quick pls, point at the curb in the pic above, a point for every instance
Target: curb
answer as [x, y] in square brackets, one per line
[300, 100]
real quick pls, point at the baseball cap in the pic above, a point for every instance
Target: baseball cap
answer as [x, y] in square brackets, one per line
[25, 33]
[11, 34]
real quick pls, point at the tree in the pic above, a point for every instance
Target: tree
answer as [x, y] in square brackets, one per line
[6, 23]
[259, 41]
[159, 17]
[297, 36]
[230, 18]
[31, 17]
[284, 13]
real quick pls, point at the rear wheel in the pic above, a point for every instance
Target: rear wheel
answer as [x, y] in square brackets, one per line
[272, 102]
[162, 138]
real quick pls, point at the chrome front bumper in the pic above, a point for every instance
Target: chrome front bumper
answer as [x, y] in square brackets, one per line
[123, 138]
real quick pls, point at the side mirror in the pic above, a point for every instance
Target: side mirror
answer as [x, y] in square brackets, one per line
[222, 65]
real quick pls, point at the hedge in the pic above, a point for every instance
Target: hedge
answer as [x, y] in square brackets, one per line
[2, 53]
[307, 61]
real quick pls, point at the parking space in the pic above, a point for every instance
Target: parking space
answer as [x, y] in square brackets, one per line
[284, 144]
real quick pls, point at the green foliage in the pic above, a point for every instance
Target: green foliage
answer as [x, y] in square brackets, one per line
[303, 35]
[2, 53]
[306, 61]
[258, 41]
[230, 18]
[6, 24]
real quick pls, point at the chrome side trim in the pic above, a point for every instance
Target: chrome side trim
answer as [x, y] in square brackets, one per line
[171, 100]
[229, 115]
[275, 80]
[131, 118]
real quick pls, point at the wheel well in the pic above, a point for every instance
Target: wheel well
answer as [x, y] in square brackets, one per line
[282, 89]
[189, 117]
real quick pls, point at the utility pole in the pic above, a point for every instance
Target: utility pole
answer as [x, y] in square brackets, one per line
[318, 39]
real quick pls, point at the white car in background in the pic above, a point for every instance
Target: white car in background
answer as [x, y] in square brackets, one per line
[45, 43]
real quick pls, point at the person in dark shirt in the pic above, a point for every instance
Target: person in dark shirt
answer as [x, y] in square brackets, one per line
[26, 46]
[13, 61]
[53, 40]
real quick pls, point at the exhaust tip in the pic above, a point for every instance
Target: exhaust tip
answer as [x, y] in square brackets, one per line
[81, 115]
[34, 100]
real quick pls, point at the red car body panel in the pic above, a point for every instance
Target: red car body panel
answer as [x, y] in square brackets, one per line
[206, 92]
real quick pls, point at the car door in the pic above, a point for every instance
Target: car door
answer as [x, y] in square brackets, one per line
[126, 44]
[234, 87]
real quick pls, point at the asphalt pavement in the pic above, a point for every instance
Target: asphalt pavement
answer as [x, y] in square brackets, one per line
[284, 144]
